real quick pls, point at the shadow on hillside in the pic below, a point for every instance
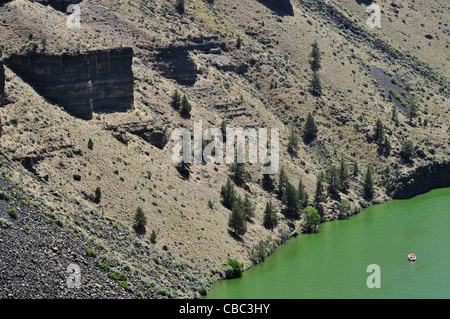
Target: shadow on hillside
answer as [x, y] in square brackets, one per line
[278, 8]
[366, 2]
[235, 236]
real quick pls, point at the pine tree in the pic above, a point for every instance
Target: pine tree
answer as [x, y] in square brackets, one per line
[238, 43]
[290, 201]
[378, 135]
[139, 218]
[310, 129]
[355, 169]
[98, 195]
[413, 110]
[237, 220]
[319, 196]
[186, 107]
[270, 219]
[407, 151]
[368, 186]
[316, 84]
[176, 100]
[153, 237]
[283, 180]
[249, 208]
[343, 176]
[293, 140]
[386, 146]
[315, 55]
[302, 194]
[228, 194]
[239, 173]
[333, 180]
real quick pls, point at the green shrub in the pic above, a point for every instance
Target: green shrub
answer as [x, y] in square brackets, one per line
[5, 223]
[113, 275]
[233, 269]
[13, 213]
[5, 196]
[122, 277]
[105, 266]
[90, 252]
[124, 284]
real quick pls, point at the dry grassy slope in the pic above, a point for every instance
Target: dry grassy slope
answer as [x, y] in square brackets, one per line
[177, 209]
[408, 27]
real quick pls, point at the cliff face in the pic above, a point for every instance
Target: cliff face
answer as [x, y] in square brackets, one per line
[96, 81]
[422, 180]
[174, 61]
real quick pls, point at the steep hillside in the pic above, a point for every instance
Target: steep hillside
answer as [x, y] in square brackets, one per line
[244, 63]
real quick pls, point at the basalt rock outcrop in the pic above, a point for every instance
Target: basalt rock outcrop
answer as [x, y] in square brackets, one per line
[95, 81]
[60, 5]
[283, 7]
[422, 179]
[174, 61]
[153, 132]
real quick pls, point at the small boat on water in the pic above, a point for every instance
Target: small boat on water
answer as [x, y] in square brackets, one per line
[412, 257]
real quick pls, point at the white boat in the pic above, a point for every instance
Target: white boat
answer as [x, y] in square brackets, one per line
[412, 257]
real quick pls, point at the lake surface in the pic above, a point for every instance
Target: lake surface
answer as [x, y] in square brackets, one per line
[333, 263]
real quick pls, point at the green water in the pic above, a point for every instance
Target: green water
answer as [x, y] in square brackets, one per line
[333, 263]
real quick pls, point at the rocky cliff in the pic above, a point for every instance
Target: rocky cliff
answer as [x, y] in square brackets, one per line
[96, 81]
[422, 180]
[174, 61]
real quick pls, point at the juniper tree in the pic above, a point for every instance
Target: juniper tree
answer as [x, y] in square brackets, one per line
[293, 140]
[176, 100]
[270, 218]
[310, 129]
[368, 186]
[282, 181]
[315, 55]
[98, 194]
[355, 168]
[407, 151]
[228, 194]
[319, 196]
[290, 201]
[139, 218]
[237, 220]
[249, 208]
[333, 180]
[315, 84]
[302, 194]
[343, 176]
[386, 146]
[378, 135]
[413, 110]
[186, 107]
